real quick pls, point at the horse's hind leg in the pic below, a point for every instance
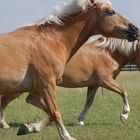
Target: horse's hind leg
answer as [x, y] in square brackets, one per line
[48, 94]
[5, 100]
[112, 85]
[89, 100]
[37, 101]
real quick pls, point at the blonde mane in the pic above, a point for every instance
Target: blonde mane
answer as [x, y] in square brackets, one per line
[120, 45]
[65, 10]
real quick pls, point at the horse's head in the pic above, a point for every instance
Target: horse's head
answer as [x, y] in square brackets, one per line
[112, 24]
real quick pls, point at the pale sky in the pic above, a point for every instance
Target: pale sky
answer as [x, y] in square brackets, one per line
[16, 13]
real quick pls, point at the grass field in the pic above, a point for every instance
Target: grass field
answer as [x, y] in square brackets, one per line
[102, 121]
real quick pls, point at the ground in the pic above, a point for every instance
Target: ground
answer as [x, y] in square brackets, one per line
[102, 121]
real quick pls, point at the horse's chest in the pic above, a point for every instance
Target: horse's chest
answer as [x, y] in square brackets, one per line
[50, 67]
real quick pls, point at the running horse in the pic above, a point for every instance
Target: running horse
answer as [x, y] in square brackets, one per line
[107, 57]
[33, 58]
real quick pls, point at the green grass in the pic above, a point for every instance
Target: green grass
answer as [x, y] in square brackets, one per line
[102, 122]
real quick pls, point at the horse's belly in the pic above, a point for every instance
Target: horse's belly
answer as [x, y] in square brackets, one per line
[73, 82]
[15, 81]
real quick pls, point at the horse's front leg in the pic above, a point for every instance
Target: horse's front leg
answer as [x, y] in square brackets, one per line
[47, 92]
[112, 85]
[5, 100]
[49, 97]
[89, 100]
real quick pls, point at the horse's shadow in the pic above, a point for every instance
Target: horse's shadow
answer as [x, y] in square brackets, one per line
[17, 125]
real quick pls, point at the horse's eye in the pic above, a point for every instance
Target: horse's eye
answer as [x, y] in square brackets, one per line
[111, 12]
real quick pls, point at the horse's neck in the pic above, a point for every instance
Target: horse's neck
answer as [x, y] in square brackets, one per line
[74, 34]
[77, 36]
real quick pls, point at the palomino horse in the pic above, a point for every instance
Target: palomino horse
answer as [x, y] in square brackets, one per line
[107, 57]
[33, 58]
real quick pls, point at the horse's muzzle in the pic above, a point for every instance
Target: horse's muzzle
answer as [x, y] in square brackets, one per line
[133, 33]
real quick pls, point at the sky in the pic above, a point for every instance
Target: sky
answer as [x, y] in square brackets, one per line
[17, 13]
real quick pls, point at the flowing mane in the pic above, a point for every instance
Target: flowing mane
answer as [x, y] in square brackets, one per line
[65, 10]
[121, 45]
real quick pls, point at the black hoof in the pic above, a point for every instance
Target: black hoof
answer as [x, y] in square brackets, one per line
[23, 130]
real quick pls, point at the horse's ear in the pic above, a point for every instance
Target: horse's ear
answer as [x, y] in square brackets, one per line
[93, 2]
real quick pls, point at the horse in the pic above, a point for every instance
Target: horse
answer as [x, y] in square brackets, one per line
[107, 57]
[33, 58]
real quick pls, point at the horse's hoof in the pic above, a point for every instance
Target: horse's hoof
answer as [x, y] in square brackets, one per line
[68, 138]
[23, 130]
[123, 118]
[71, 138]
[81, 123]
[4, 125]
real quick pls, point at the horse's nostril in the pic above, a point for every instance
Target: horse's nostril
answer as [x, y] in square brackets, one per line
[132, 27]
[136, 28]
